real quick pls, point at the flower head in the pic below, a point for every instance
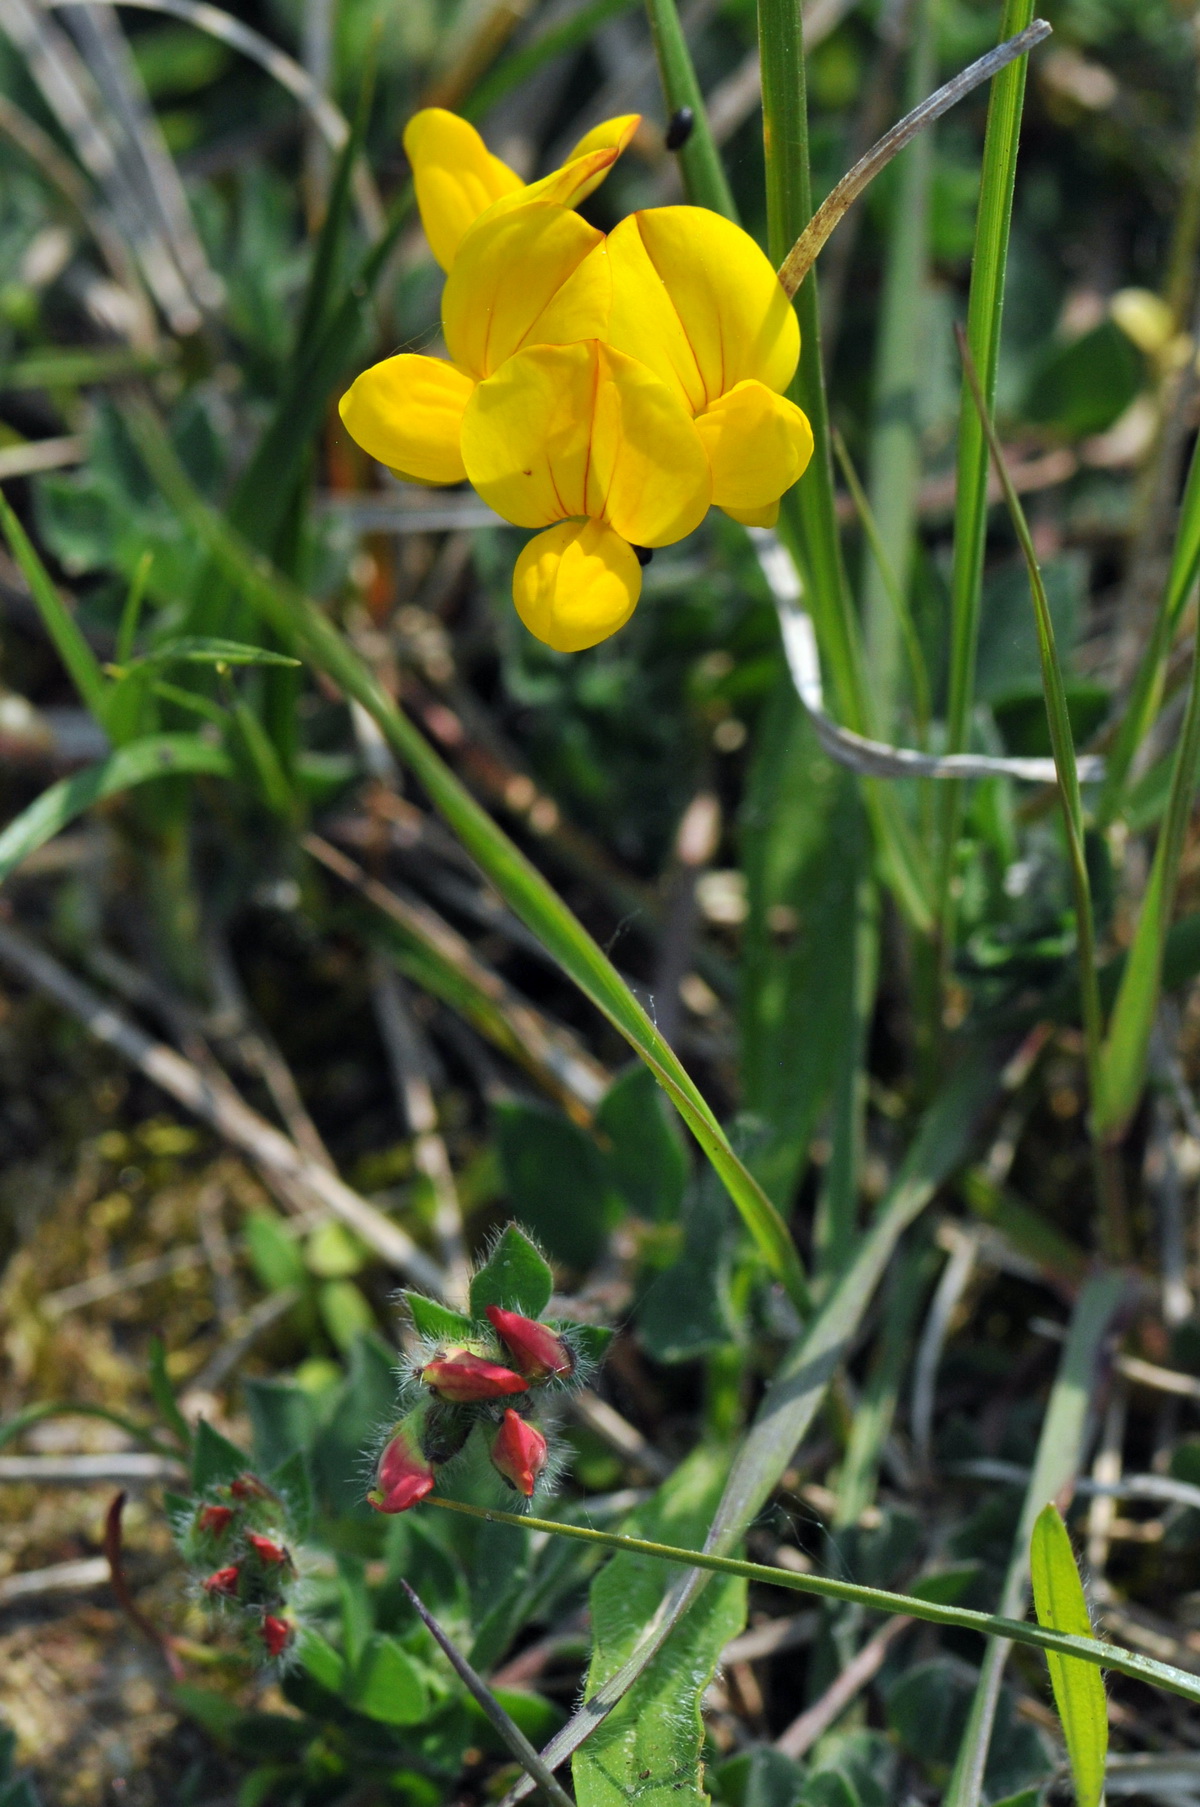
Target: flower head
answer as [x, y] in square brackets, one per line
[533, 1348]
[267, 1550]
[403, 1476]
[466, 1379]
[223, 1583]
[519, 1453]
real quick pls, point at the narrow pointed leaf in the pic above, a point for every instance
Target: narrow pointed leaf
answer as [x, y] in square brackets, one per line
[1060, 1604]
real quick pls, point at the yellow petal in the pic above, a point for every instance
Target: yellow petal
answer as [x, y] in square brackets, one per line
[696, 300]
[609, 135]
[758, 444]
[755, 517]
[576, 584]
[569, 430]
[408, 413]
[455, 176]
[524, 278]
[583, 171]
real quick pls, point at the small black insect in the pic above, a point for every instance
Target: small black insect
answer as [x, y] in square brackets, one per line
[643, 554]
[679, 129]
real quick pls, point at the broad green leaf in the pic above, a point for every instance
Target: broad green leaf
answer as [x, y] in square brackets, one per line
[274, 1255]
[215, 1460]
[389, 1685]
[514, 1276]
[345, 1312]
[648, 1749]
[1060, 1603]
[321, 1660]
[298, 621]
[283, 1420]
[156, 756]
[433, 1319]
[556, 1179]
[333, 1252]
[293, 1482]
[802, 850]
[686, 1310]
[1082, 387]
[646, 1156]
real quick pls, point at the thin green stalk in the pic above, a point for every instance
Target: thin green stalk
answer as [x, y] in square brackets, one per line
[298, 621]
[984, 311]
[894, 464]
[704, 178]
[892, 590]
[808, 516]
[1089, 1650]
[1062, 742]
[835, 1228]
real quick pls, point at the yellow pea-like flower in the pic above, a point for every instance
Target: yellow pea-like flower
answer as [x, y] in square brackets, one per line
[696, 300]
[457, 179]
[582, 434]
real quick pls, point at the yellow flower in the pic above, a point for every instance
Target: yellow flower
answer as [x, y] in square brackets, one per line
[526, 276]
[457, 179]
[587, 442]
[696, 300]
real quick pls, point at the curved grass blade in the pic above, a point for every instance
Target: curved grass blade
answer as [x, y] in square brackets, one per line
[83, 667]
[985, 306]
[156, 756]
[298, 622]
[1089, 1650]
[798, 1390]
[1060, 1604]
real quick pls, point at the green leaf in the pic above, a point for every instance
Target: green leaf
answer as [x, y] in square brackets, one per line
[762, 1777]
[163, 1394]
[199, 649]
[345, 1312]
[1083, 387]
[1059, 1601]
[215, 1460]
[321, 1660]
[81, 663]
[556, 1180]
[282, 1417]
[513, 1276]
[298, 621]
[433, 1319]
[388, 1684]
[156, 756]
[802, 850]
[646, 1159]
[686, 1311]
[274, 1254]
[648, 1749]
[293, 1482]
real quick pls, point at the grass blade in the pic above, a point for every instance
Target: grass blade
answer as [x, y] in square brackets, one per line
[704, 178]
[82, 665]
[1059, 1454]
[985, 307]
[153, 757]
[297, 621]
[1059, 1601]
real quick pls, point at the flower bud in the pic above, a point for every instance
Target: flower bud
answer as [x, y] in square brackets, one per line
[276, 1634]
[215, 1519]
[249, 1487]
[403, 1476]
[223, 1582]
[534, 1350]
[467, 1379]
[519, 1453]
[267, 1549]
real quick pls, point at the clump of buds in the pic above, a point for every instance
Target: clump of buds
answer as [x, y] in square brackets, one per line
[235, 1538]
[499, 1372]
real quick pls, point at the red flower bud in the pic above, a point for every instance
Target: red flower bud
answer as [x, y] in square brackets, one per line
[276, 1634]
[223, 1582]
[535, 1351]
[519, 1453]
[249, 1487]
[466, 1379]
[267, 1549]
[403, 1476]
[215, 1518]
